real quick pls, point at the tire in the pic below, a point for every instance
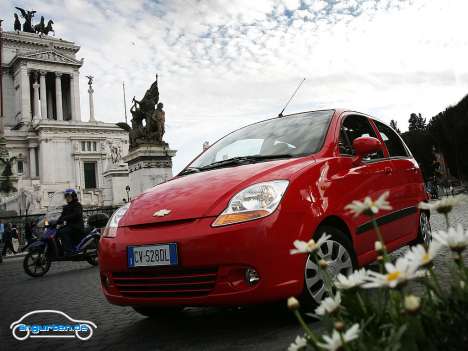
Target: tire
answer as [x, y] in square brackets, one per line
[339, 250]
[93, 257]
[36, 264]
[424, 230]
[156, 312]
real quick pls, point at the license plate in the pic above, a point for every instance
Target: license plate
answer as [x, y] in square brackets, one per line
[152, 255]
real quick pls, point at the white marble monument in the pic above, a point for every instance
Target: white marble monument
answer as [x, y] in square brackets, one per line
[54, 148]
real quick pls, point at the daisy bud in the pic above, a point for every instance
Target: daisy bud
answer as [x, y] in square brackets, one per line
[412, 303]
[323, 264]
[293, 304]
[339, 326]
[379, 247]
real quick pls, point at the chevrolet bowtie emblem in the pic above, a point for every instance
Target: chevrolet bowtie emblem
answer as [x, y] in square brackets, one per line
[161, 213]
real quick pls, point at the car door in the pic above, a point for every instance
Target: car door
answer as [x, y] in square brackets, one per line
[407, 184]
[371, 177]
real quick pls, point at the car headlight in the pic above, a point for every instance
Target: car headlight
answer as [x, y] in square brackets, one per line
[256, 201]
[110, 231]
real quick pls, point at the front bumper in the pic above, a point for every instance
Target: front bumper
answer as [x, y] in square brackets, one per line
[212, 263]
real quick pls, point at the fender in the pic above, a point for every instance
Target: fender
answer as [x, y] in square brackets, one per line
[36, 245]
[88, 239]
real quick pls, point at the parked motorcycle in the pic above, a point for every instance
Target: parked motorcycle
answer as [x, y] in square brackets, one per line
[49, 248]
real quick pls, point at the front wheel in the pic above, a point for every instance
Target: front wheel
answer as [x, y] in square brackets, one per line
[36, 263]
[338, 252]
[424, 231]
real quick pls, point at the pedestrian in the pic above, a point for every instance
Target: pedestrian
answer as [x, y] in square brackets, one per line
[2, 229]
[7, 237]
[28, 232]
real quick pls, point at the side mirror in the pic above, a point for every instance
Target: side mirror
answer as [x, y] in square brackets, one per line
[364, 146]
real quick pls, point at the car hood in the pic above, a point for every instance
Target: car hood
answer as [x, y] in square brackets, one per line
[206, 193]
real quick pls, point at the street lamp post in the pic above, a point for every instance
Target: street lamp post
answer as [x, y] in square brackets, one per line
[127, 189]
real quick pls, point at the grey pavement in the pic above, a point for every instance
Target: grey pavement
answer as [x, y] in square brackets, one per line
[74, 288]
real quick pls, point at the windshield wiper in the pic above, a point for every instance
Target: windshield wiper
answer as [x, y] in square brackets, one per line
[243, 160]
[189, 170]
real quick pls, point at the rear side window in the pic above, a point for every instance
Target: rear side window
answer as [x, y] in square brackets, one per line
[354, 127]
[393, 142]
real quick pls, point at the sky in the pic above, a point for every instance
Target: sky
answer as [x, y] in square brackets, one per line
[223, 64]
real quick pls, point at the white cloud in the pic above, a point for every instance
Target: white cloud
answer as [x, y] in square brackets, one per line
[226, 63]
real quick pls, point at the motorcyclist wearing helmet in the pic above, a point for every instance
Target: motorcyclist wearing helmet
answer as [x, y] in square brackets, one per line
[71, 221]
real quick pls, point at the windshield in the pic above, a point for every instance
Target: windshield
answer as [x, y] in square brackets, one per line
[290, 136]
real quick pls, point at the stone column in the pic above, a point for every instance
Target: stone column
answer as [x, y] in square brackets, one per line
[75, 96]
[91, 104]
[43, 95]
[58, 96]
[35, 97]
[32, 162]
[25, 95]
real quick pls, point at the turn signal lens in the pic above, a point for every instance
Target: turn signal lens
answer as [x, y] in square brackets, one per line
[230, 218]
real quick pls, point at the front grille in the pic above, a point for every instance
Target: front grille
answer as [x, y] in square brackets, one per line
[171, 282]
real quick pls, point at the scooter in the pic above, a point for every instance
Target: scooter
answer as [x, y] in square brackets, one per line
[49, 248]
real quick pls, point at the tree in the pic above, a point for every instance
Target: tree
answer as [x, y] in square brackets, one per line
[416, 122]
[394, 125]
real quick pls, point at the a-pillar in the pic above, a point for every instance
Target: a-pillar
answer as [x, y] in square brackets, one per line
[36, 115]
[43, 94]
[25, 94]
[58, 95]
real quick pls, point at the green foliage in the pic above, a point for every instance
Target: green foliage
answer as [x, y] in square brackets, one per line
[390, 315]
[416, 122]
[421, 142]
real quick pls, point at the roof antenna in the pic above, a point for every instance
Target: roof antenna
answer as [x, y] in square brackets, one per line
[295, 91]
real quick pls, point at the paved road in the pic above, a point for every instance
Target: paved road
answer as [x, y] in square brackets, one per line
[74, 288]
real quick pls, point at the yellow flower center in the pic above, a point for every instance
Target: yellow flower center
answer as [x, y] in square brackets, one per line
[426, 258]
[393, 276]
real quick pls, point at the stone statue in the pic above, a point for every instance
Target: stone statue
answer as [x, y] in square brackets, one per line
[90, 80]
[17, 24]
[40, 27]
[116, 153]
[147, 122]
[6, 185]
[27, 15]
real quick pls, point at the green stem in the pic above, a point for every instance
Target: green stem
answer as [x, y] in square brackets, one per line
[447, 222]
[363, 306]
[379, 236]
[306, 328]
[438, 289]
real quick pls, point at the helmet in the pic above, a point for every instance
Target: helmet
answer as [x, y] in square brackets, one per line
[70, 192]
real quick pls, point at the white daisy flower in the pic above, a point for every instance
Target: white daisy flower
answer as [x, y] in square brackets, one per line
[355, 279]
[398, 273]
[310, 246]
[328, 305]
[444, 205]
[335, 341]
[369, 207]
[455, 239]
[299, 344]
[422, 257]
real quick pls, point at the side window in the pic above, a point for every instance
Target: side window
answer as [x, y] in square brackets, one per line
[354, 127]
[393, 142]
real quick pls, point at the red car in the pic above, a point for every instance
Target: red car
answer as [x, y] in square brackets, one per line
[220, 232]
